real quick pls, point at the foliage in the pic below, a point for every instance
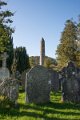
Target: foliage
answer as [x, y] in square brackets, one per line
[34, 60]
[78, 58]
[14, 66]
[66, 50]
[5, 101]
[48, 61]
[22, 59]
[5, 29]
[8, 90]
[10, 52]
[6, 42]
[78, 45]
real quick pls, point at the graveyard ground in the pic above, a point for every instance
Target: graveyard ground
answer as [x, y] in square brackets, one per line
[55, 110]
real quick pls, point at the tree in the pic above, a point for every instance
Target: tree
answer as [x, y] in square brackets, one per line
[66, 50]
[10, 52]
[49, 62]
[22, 59]
[78, 44]
[6, 42]
[34, 60]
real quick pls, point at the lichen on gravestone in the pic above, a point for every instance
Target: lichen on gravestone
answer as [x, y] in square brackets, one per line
[37, 85]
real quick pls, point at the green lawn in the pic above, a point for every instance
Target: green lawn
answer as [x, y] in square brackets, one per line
[55, 110]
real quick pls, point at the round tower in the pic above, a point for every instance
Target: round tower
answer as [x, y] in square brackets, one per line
[42, 51]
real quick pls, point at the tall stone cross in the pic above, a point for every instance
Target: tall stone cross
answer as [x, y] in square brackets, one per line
[4, 58]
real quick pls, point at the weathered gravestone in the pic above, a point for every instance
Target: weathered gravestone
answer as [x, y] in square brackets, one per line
[54, 76]
[23, 78]
[8, 86]
[4, 72]
[38, 85]
[71, 83]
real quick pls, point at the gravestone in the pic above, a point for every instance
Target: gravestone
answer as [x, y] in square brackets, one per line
[54, 76]
[8, 86]
[71, 83]
[38, 85]
[23, 78]
[13, 90]
[4, 72]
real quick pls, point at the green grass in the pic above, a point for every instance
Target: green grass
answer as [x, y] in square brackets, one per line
[55, 110]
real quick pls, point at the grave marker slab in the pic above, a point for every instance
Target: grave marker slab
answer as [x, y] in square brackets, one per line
[54, 80]
[38, 85]
[71, 83]
[4, 72]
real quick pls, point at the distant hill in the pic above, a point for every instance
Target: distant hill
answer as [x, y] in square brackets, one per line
[35, 60]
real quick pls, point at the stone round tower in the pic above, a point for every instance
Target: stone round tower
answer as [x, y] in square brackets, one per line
[42, 51]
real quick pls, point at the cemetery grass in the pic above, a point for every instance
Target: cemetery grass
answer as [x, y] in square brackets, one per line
[55, 110]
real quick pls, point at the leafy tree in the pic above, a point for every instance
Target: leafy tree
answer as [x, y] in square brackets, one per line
[6, 42]
[66, 50]
[49, 62]
[34, 60]
[78, 45]
[10, 52]
[22, 59]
